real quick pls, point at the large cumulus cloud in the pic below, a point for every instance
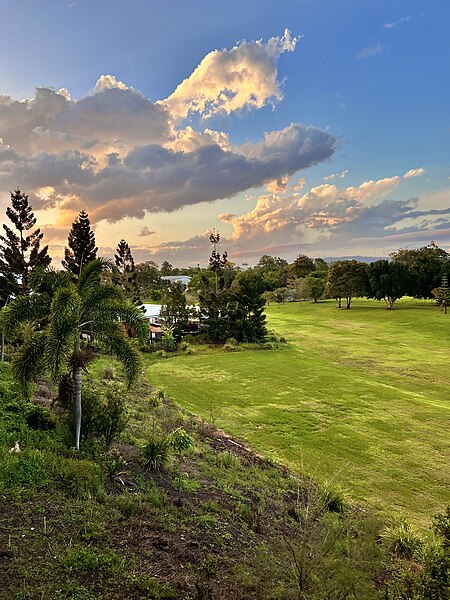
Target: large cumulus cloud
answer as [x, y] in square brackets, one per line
[119, 154]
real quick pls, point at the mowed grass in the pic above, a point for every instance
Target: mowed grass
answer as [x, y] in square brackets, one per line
[360, 397]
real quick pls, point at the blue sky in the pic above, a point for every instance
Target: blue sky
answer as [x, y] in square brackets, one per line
[358, 93]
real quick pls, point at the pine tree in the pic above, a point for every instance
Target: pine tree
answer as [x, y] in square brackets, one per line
[20, 254]
[442, 294]
[125, 274]
[82, 249]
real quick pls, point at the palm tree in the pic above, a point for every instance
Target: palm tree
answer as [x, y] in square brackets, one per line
[63, 312]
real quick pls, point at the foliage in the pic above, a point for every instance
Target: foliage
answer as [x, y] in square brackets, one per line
[148, 278]
[82, 249]
[302, 266]
[401, 539]
[104, 411]
[60, 312]
[347, 279]
[20, 254]
[156, 452]
[427, 264]
[174, 311]
[124, 273]
[313, 287]
[442, 294]
[180, 440]
[389, 281]
[247, 321]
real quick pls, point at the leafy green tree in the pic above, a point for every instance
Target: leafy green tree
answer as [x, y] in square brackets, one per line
[147, 277]
[20, 254]
[175, 311]
[428, 264]
[442, 294]
[166, 268]
[321, 265]
[389, 281]
[274, 271]
[82, 249]
[347, 279]
[247, 319]
[271, 263]
[214, 305]
[302, 266]
[60, 314]
[314, 287]
[125, 273]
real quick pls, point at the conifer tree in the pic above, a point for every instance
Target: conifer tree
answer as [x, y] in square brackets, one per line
[82, 249]
[442, 294]
[20, 254]
[125, 273]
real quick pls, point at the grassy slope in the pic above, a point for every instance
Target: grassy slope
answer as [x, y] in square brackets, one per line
[361, 396]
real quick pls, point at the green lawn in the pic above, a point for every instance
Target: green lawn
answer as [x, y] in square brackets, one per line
[361, 397]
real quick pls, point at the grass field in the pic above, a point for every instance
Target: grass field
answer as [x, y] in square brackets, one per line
[360, 397]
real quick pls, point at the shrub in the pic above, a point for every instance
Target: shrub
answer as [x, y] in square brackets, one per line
[104, 412]
[334, 498]
[156, 452]
[81, 479]
[401, 539]
[40, 418]
[180, 440]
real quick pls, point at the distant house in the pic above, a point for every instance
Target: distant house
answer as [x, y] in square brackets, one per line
[152, 312]
[183, 279]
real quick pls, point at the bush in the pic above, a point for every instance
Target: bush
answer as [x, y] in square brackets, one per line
[401, 539]
[81, 479]
[180, 440]
[156, 453]
[334, 498]
[40, 418]
[104, 412]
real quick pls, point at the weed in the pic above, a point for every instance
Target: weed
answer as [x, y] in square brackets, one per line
[108, 373]
[180, 440]
[227, 460]
[156, 452]
[334, 498]
[90, 559]
[401, 539]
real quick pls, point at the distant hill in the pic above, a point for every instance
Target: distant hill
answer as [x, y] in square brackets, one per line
[367, 259]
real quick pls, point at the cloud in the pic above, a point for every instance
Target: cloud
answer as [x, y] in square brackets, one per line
[414, 173]
[340, 175]
[152, 178]
[230, 80]
[145, 232]
[118, 154]
[371, 51]
[319, 222]
[393, 24]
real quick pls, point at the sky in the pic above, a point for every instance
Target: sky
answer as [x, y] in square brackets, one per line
[291, 127]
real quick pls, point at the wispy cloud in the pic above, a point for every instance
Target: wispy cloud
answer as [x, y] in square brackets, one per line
[414, 172]
[371, 51]
[340, 175]
[145, 232]
[392, 24]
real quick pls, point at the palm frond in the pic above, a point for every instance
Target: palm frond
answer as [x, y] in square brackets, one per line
[49, 280]
[102, 295]
[90, 275]
[124, 312]
[30, 362]
[22, 309]
[116, 341]
[63, 329]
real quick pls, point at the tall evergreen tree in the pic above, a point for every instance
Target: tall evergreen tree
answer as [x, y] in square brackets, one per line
[82, 249]
[125, 273]
[20, 254]
[442, 294]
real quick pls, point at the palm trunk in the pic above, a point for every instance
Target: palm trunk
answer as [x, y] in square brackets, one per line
[77, 406]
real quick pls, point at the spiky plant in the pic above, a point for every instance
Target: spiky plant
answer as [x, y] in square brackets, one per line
[62, 312]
